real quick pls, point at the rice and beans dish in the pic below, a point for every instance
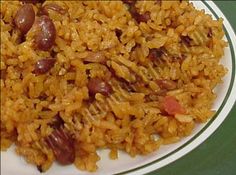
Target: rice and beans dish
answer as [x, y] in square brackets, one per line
[78, 76]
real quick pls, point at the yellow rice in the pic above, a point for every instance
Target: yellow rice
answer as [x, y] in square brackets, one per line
[125, 120]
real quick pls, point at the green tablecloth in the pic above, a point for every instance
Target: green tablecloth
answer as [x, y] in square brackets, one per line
[217, 155]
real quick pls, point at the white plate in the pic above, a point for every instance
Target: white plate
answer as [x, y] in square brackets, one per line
[11, 164]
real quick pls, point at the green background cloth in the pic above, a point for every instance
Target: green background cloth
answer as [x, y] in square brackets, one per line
[217, 155]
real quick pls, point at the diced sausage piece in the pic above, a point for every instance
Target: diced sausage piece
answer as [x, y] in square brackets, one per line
[172, 106]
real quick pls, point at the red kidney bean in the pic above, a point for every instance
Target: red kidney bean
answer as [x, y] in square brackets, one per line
[96, 85]
[45, 33]
[24, 18]
[62, 145]
[43, 66]
[53, 7]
